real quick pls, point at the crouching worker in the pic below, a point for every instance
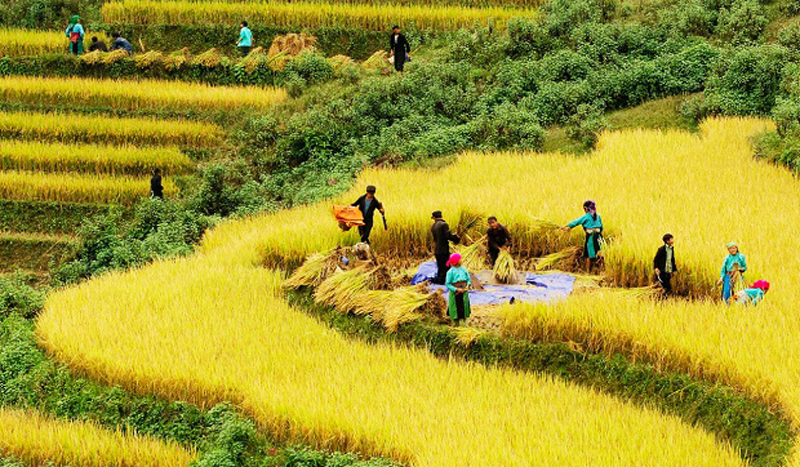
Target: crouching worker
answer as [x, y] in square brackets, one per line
[753, 295]
[458, 283]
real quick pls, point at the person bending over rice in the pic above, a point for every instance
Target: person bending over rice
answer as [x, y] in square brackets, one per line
[458, 283]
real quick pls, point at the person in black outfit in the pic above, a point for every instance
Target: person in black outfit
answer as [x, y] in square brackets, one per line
[441, 250]
[97, 45]
[664, 264]
[400, 48]
[498, 237]
[156, 189]
[367, 204]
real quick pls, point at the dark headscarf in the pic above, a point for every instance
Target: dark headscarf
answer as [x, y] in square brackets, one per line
[74, 20]
[591, 206]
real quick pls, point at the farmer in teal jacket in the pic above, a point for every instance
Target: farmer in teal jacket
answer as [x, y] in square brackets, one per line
[458, 283]
[593, 227]
[733, 267]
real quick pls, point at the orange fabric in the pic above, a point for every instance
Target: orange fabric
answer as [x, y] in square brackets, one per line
[348, 215]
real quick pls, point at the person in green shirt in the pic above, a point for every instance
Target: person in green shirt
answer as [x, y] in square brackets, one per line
[75, 33]
[458, 283]
[245, 42]
[593, 227]
[733, 268]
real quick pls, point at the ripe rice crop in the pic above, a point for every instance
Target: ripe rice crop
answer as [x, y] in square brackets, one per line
[463, 3]
[307, 14]
[36, 440]
[91, 158]
[21, 42]
[72, 128]
[77, 188]
[303, 381]
[135, 95]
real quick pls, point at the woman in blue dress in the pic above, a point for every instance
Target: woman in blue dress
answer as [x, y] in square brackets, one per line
[593, 227]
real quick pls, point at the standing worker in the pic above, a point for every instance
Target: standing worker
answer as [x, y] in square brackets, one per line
[441, 250]
[75, 33]
[156, 189]
[367, 204]
[733, 267]
[664, 264]
[245, 42]
[400, 49]
[593, 227]
[458, 283]
[498, 237]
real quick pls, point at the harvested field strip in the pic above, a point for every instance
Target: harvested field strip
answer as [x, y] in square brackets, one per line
[72, 128]
[136, 95]
[39, 441]
[307, 15]
[305, 382]
[34, 252]
[49, 217]
[77, 188]
[20, 42]
[92, 158]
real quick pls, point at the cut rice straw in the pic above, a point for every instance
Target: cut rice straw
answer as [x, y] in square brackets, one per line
[314, 270]
[504, 270]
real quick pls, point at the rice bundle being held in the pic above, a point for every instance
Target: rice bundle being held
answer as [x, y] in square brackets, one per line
[473, 257]
[505, 270]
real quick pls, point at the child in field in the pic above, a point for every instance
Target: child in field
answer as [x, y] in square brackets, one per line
[733, 269]
[753, 295]
[458, 283]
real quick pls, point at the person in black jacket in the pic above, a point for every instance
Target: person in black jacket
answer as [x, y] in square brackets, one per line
[664, 264]
[156, 189]
[367, 204]
[441, 250]
[400, 48]
[97, 45]
[498, 237]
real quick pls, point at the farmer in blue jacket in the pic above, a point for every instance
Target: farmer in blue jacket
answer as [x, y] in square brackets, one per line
[593, 227]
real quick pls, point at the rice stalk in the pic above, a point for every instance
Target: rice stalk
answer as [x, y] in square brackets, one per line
[505, 270]
[563, 259]
[342, 290]
[474, 257]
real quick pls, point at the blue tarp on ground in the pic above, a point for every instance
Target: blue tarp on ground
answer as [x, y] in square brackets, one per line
[538, 287]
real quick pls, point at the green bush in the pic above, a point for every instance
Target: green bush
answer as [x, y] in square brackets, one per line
[17, 297]
[746, 80]
[743, 23]
[585, 125]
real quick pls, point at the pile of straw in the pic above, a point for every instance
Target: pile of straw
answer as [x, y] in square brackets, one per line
[378, 62]
[504, 270]
[177, 59]
[211, 58]
[149, 59]
[345, 289]
[338, 62]
[391, 307]
[256, 57]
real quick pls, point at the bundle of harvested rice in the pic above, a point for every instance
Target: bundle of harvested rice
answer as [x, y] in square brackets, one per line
[563, 259]
[288, 46]
[149, 59]
[177, 59]
[436, 306]
[314, 270]
[377, 62]
[504, 270]
[391, 307]
[467, 222]
[342, 290]
[473, 257]
[211, 58]
[92, 58]
[256, 57]
[468, 335]
[114, 56]
[337, 62]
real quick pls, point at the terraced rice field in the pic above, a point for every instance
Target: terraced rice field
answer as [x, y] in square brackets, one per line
[307, 383]
[372, 17]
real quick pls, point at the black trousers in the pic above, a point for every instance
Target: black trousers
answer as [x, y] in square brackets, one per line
[244, 50]
[74, 47]
[364, 231]
[665, 279]
[399, 60]
[493, 254]
[442, 268]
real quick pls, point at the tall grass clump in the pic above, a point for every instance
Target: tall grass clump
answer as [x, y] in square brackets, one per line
[91, 158]
[75, 128]
[308, 14]
[77, 188]
[136, 95]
